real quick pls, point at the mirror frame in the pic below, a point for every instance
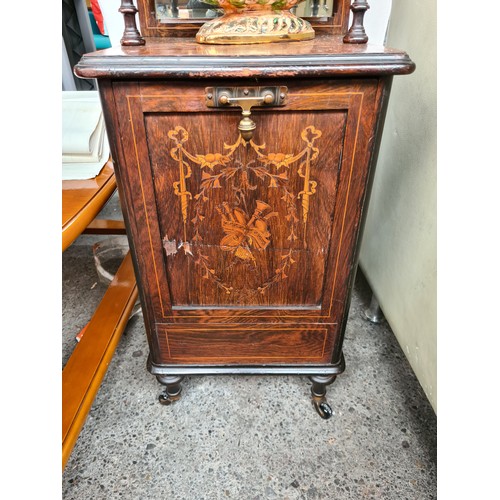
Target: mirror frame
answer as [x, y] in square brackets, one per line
[151, 27]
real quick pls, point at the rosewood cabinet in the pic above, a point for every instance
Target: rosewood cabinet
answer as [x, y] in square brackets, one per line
[244, 174]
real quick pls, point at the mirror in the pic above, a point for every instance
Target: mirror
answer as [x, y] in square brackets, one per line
[167, 10]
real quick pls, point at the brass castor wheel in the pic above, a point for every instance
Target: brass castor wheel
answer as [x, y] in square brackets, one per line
[324, 409]
[318, 392]
[167, 399]
[172, 390]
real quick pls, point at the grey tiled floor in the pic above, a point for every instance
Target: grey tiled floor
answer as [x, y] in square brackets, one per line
[249, 437]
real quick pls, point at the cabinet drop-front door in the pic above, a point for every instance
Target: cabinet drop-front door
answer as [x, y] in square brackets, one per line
[245, 248]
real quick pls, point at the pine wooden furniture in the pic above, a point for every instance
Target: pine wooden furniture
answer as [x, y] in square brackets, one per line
[244, 171]
[82, 200]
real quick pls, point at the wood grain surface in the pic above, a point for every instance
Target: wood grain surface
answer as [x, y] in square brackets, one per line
[245, 345]
[245, 252]
[87, 366]
[324, 56]
[82, 200]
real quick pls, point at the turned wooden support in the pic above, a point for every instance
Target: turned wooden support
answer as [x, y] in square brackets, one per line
[356, 33]
[319, 383]
[131, 35]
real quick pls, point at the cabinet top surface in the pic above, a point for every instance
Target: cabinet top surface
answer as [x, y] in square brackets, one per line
[325, 55]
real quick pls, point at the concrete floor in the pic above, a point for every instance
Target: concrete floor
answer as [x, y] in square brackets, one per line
[248, 437]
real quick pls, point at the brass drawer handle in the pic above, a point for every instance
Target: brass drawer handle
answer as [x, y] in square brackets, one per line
[245, 98]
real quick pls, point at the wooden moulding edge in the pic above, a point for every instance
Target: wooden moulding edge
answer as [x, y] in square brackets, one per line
[281, 369]
[161, 67]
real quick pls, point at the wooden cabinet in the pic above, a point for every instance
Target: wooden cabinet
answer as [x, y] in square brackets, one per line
[245, 239]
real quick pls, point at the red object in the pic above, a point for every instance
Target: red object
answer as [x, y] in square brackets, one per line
[99, 19]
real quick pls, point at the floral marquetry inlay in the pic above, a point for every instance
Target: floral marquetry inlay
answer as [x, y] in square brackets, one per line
[247, 223]
[244, 233]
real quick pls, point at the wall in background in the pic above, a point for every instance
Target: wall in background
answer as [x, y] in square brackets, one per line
[114, 20]
[398, 252]
[376, 20]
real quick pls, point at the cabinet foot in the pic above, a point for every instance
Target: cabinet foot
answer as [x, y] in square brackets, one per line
[318, 392]
[172, 390]
[374, 313]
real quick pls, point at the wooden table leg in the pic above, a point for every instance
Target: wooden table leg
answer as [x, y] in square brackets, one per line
[84, 371]
[105, 226]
